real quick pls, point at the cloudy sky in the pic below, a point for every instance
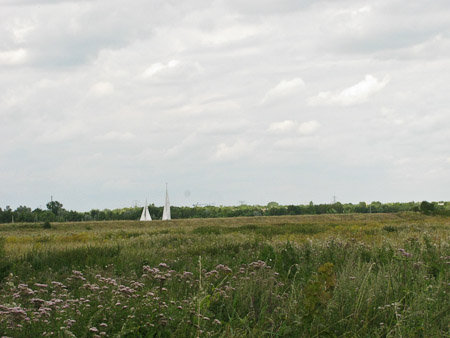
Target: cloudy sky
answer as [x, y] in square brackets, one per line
[102, 102]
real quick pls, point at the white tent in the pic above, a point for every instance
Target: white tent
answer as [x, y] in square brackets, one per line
[166, 211]
[145, 216]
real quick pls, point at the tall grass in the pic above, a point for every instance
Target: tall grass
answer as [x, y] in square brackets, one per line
[352, 276]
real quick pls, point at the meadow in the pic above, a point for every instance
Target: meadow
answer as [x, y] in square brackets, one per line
[348, 275]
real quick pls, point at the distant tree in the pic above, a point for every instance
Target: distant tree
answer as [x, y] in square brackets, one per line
[361, 207]
[311, 208]
[338, 207]
[6, 215]
[294, 210]
[55, 207]
[272, 205]
[23, 214]
[377, 207]
[427, 208]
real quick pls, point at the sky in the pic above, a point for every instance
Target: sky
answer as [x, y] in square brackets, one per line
[228, 101]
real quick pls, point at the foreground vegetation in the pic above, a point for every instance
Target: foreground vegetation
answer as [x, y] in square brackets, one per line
[378, 275]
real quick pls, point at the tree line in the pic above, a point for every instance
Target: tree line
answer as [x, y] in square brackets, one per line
[55, 211]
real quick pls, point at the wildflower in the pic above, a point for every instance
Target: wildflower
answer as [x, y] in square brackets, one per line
[404, 253]
[258, 264]
[216, 321]
[160, 277]
[126, 290]
[211, 273]
[187, 274]
[25, 290]
[39, 285]
[137, 284]
[58, 284]
[93, 329]
[37, 301]
[223, 268]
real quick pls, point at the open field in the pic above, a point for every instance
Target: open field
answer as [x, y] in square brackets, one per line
[358, 275]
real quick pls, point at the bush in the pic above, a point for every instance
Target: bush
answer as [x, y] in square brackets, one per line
[46, 225]
[5, 265]
[427, 208]
[390, 228]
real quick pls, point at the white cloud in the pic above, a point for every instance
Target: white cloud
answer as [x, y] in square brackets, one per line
[182, 147]
[308, 128]
[284, 88]
[391, 117]
[356, 94]
[283, 127]
[294, 127]
[102, 88]
[347, 22]
[173, 70]
[231, 33]
[13, 57]
[20, 30]
[232, 152]
[62, 132]
[117, 136]
[158, 67]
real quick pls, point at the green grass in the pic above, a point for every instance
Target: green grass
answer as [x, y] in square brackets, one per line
[290, 276]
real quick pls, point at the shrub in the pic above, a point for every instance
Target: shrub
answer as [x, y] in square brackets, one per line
[46, 225]
[427, 208]
[390, 228]
[5, 265]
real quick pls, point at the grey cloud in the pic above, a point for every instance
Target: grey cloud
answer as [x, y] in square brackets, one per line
[384, 26]
[78, 113]
[254, 7]
[38, 2]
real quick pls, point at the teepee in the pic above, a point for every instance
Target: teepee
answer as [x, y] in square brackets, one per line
[166, 211]
[145, 216]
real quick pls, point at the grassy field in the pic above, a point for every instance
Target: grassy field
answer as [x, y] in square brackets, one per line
[377, 275]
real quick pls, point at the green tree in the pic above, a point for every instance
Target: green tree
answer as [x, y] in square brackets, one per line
[427, 208]
[55, 207]
[23, 214]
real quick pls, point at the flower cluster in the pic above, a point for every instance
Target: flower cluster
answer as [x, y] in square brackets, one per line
[88, 302]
